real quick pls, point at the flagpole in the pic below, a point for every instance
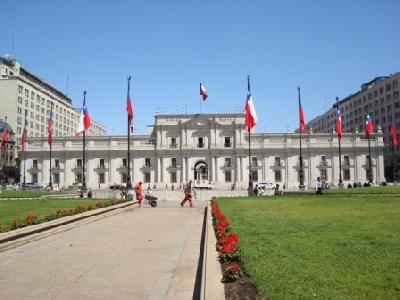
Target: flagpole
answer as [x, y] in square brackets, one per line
[51, 132]
[369, 160]
[340, 149]
[128, 176]
[250, 188]
[23, 146]
[301, 186]
[83, 148]
[200, 97]
[394, 162]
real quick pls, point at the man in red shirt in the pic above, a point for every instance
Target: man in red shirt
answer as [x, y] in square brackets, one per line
[138, 191]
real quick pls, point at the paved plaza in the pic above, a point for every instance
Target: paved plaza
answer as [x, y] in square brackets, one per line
[130, 253]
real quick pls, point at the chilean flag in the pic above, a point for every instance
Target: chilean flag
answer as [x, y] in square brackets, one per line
[301, 115]
[50, 128]
[84, 121]
[23, 140]
[338, 128]
[129, 108]
[4, 137]
[369, 127]
[393, 134]
[203, 92]
[251, 115]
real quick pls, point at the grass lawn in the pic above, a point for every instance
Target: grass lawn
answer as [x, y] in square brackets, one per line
[23, 194]
[18, 209]
[309, 247]
[367, 190]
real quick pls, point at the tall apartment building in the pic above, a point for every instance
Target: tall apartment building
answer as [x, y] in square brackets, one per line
[380, 99]
[22, 91]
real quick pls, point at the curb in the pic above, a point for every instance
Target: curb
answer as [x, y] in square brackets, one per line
[212, 287]
[32, 229]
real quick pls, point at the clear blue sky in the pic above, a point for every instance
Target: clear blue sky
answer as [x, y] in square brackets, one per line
[328, 48]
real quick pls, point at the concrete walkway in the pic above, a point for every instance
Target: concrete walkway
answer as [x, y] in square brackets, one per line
[129, 253]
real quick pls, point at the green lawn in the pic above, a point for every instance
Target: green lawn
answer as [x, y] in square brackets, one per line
[18, 209]
[309, 247]
[367, 190]
[23, 194]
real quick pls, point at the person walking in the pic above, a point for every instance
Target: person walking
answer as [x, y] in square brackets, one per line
[318, 186]
[138, 191]
[188, 194]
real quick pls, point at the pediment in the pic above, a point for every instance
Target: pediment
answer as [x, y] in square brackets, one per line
[198, 120]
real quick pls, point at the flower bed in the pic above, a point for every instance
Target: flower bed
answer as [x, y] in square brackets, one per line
[31, 219]
[227, 245]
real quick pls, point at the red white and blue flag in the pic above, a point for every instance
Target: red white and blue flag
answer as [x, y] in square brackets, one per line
[251, 115]
[23, 139]
[4, 138]
[50, 128]
[129, 108]
[301, 117]
[203, 92]
[338, 127]
[369, 127]
[393, 134]
[84, 121]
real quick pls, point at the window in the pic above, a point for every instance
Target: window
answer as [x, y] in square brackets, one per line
[20, 100]
[323, 161]
[102, 178]
[101, 162]
[228, 162]
[56, 178]
[227, 142]
[228, 176]
[201, 143]
[278, 176]
[388, 87]
[277, 162]
[124, 178]
[124, 162]
[323, 175]
[173, 143]
[34, 178]
[79, 163]
[346, 174]
[20, 89]
[79, 177]
[254, 161]
[254, 175]
[173, 162]
[35, 164]
[146, 177]
[56, 163]
[147, 163]
[173, 177]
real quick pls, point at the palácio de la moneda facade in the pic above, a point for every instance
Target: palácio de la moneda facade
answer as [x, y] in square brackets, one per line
[209, 149]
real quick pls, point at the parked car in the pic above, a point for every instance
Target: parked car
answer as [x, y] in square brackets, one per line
[266, 185]
[203, 184]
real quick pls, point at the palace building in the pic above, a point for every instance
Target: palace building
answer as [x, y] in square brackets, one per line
[211, 149]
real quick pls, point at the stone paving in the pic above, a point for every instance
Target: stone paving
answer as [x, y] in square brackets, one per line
[129, 253]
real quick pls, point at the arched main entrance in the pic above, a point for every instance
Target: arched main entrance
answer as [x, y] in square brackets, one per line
[201, 171]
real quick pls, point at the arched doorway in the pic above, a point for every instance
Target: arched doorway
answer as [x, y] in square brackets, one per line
[201, 172]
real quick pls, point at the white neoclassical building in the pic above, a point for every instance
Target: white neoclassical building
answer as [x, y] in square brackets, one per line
[208, 148]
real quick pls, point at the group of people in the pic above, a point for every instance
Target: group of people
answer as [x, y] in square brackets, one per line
[137, 189]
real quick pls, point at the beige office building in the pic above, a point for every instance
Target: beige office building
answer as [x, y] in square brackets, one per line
[380, 99]
[21, 91]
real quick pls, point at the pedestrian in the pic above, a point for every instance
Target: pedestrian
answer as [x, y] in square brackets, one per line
[138, 191]
[255, 190]
[188, 194]
[89, 194]
[318, 186]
